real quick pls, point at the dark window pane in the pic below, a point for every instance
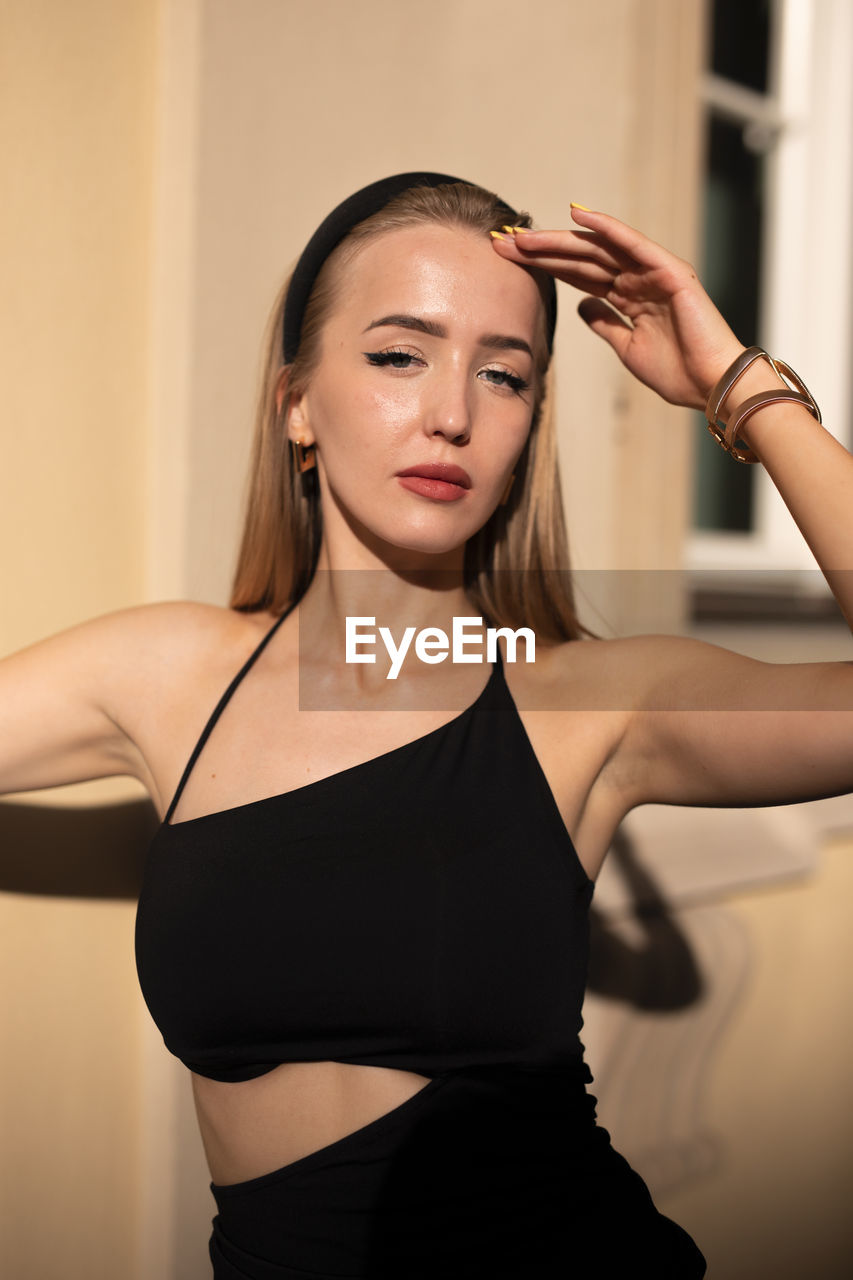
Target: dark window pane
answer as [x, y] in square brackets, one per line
[734, 189]
[741, 41]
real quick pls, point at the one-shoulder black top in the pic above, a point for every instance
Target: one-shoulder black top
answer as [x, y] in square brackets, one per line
[424, 910]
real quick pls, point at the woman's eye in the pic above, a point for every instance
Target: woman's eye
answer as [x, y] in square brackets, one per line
[403, 360]
[392, 359]
[503, 378]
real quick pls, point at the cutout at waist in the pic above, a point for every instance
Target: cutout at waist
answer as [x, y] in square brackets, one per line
[268, 1123]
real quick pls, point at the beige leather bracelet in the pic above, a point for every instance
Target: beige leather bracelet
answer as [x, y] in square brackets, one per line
[727, 435]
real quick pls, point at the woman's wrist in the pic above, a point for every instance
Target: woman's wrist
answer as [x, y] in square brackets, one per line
[753, 383]
[758, 378]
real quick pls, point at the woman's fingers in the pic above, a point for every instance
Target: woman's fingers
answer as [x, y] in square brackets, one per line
[549, 249]
[606, 240]
[623, 239]
[587, 244]
[583, 274]
[607, 324]
[588, 262]
[596, 275]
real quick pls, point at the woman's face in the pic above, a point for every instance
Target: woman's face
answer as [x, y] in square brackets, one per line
[423, 395]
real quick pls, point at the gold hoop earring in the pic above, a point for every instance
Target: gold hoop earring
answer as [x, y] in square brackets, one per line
[505, 497]
[304, 456]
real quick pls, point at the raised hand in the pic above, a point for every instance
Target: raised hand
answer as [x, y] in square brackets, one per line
[645, 302]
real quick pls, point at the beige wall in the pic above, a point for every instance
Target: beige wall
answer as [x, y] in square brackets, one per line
[776, 1200]
[76, 113]
[77, 101]
[169, 159]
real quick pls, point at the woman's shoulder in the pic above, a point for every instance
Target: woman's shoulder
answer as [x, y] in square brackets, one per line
[162, 665]
[156, 644]
[173, 628]
[132, 655]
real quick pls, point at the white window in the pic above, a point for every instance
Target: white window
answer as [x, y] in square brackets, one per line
[778, 260]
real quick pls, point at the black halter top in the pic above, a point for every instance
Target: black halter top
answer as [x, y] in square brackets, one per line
[424, 910]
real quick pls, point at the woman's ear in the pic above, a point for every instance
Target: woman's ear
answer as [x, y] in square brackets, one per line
[298, 425]
[297, 410]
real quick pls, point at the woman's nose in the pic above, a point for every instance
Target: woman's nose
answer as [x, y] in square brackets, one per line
[449, 411]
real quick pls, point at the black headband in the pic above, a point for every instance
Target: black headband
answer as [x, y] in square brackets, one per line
[348, 214]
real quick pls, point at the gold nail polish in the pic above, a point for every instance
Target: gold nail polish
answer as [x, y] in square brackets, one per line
[575, 205]
[509, 230]
[521, 230]
[496, 235]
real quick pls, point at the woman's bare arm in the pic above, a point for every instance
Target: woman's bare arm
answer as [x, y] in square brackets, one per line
[80, 704]
[58, 709]
[717, 728]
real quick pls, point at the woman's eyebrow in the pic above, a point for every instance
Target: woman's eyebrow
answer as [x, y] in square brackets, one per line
[431, 327]
[496, 341]
[505, 342]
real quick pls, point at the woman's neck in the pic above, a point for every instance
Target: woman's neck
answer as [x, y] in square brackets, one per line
[340, 602]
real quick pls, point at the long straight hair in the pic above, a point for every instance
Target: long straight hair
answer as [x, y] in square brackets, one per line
[516, 568]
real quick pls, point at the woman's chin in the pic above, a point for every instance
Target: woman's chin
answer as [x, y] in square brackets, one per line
[430, 544]
[431, 537]
[422, 553]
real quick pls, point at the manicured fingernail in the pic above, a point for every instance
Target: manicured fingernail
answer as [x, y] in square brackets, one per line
[496, 235]
[575, 205]
[509, 230]
[521, 230]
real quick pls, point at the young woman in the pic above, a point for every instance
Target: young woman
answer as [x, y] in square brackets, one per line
[366, 933]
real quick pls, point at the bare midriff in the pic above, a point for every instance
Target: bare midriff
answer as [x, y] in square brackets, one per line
[257, 1126]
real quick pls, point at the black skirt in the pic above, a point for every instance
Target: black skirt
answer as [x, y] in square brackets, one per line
[487, 1171]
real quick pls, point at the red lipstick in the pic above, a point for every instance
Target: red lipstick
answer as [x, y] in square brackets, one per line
[440, 480]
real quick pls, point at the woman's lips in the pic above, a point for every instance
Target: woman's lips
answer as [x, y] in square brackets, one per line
[429, 488]
[442, 481]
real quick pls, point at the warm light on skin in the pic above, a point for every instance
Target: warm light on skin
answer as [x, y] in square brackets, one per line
[443, 297]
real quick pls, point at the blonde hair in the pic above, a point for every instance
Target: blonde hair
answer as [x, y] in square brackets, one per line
[516, 568]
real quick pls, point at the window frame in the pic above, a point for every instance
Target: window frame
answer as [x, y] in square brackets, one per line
[808, 248]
